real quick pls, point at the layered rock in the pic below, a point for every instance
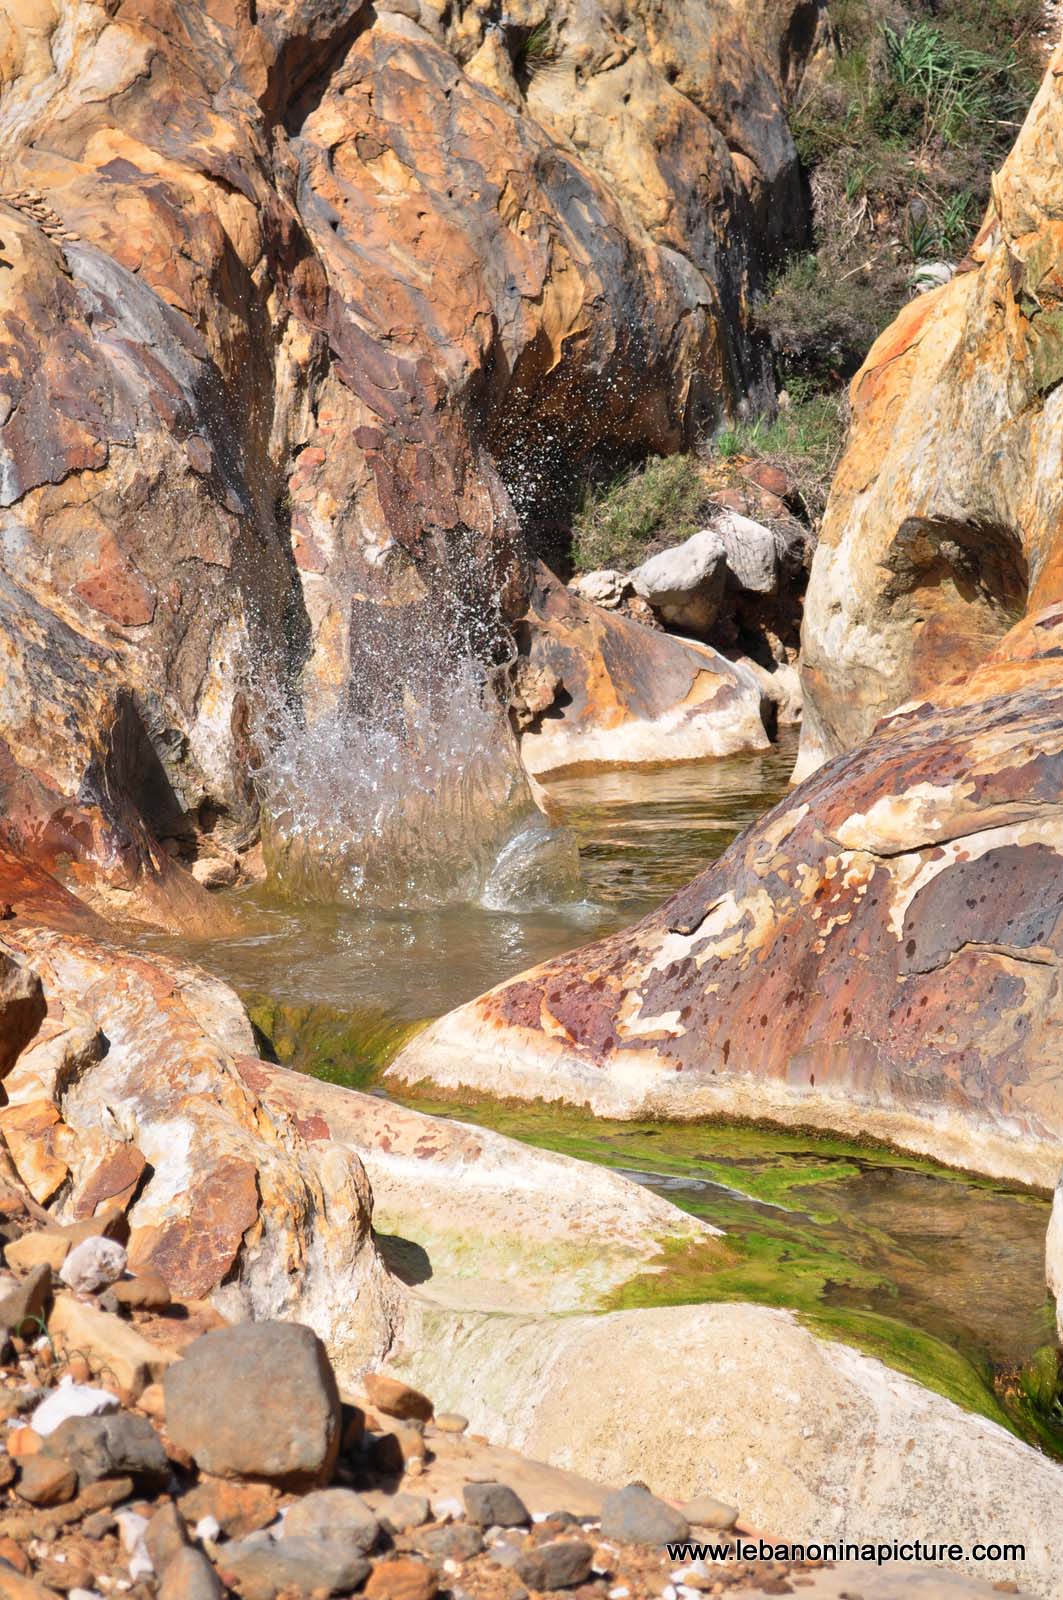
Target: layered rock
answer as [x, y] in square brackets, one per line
[280, 288]
[940, 548]
[596, 689]
[879, 955]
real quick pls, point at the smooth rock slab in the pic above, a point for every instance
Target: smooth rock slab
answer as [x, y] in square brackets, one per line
[257, 1401]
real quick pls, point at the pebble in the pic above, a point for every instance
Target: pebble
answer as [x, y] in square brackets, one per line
[47, 1481]
[494, 1505]
[165, 1536]
[397, 1399]
[451, 1422]
[111, 1446]
[71, 1400]
[559, 1564]
[404, 1510]
[705, 1511]
[190, 1576]
[148, 1291]
[261, 1568]
[92, 1265]
[459, 1542]
[402, 1579]
[26, 1301]
[635, 1516]
[333, 1514]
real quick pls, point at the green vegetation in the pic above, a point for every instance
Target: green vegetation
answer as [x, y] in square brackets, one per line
[805, 439]
[617, 525]
[345, 1047]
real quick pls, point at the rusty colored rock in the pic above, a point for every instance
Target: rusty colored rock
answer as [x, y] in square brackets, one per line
[623, 694]
[879, 955]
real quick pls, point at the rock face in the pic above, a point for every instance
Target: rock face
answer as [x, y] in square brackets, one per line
[879, 955]
[940, 549]
[135, 1096]
[609, 692]
[286, 297]
[1054, 1254]
[878, 1457]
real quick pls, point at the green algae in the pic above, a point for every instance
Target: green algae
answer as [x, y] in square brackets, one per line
[350, 1048]
[831, 1230]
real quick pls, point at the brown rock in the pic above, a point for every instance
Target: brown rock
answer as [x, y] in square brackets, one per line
[14, 1555]
[165, 1536]
[22, 1308]
[47, 1480]
[190, 1576]
[148, 1291]
[112, 1346]
[401, 1579]
[22, 1442]
[396, 1399]
[36, 1250]
[238, 1508]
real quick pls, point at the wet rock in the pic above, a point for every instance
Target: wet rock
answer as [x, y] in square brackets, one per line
[23, 1306]
[262, 1569]
[558, 1564]
[110, 1447]
[397, 1399]
[93, 1265]
[214, 872]
[47, 1480]
[635, 1516]
[333, 1513]
[257, 1401]
[190, 1576]
[402, 1579]
[494, 1505]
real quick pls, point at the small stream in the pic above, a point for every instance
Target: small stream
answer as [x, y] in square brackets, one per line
[939, 1273]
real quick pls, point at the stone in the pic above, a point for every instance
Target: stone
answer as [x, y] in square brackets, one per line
[110, 1446]
[1054, 1254]
[296, 1567]
[557, 1564]
[458, 1542]
[494, 1505]
[92, 1265]
[24, 1306]
[451, 1422]
[47, 1480]
[635, 1516]
[235, 1509]
[190, 1576]
[333, 1513]
[147, 1291]
[629, 695]
[35, 1250]
[71, 1399]
[214, 872]
[404, 1510]
[257, 1401]
[22, 1442]
[404, 1578]
[686, 585]
[111, 1344]
[165, 1536]
[397, 1399]
[705, 1511]
[604, 587]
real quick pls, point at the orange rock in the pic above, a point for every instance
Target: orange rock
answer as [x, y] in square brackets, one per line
[23, 1442]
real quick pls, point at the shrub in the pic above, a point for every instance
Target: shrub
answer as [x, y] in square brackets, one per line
[659, 500]
[805, 439]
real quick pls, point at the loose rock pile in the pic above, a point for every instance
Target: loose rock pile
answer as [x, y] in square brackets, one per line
[155, 1452]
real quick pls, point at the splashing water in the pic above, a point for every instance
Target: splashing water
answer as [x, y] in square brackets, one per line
[410, 792]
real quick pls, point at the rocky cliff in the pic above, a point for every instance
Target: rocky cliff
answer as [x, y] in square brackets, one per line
[301, 300]
[940, 550]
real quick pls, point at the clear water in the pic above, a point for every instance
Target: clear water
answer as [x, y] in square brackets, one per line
[640, 836]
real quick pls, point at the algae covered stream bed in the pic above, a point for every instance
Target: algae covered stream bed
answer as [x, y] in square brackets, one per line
[939, 1274]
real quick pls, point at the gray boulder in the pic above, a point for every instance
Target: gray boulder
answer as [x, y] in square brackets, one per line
[685, 586]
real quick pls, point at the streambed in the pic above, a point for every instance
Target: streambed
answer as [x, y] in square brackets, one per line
[940, 1274]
